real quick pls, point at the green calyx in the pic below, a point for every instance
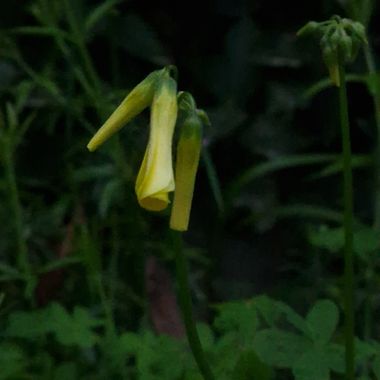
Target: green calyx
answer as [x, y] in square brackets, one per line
[187, 110]
[340, 40]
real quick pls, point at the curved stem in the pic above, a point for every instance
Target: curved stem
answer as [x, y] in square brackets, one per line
[187, 309]
[348, 228]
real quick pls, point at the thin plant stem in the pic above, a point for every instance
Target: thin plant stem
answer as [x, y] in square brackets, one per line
[370, 61]
[22, 250]
[187, 309]
[348, 228]
[82, 49]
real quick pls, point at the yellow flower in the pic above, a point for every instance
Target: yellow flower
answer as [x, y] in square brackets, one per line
[156, 179]
[188, 153]
[136, 101]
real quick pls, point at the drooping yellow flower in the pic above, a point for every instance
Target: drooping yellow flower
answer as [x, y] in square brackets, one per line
[136, 101]
[188, 153]
[156, 179]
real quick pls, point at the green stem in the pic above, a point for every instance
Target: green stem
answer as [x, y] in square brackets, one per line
[22, 251]
[348, 228]
[187, 309]
[82, 49]
[376, 103]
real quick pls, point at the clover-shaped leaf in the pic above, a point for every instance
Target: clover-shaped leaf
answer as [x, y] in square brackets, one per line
[322, 320]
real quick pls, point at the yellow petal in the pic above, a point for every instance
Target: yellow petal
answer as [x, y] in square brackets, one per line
[188, 153]
[135, 102]
[156, 179]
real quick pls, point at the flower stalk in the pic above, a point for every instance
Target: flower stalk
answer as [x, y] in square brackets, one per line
[155, 179]
[187, 309]
[349, 287]
[340, 39]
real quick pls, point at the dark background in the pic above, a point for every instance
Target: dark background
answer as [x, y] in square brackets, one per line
[245, 66]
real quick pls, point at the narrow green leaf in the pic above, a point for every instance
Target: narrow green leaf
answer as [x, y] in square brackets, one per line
[213, 180]
[357, 161]
[309, 211]
[41, 31]
[274, 165]
[99, 12]
[61, 263]
[325, 83]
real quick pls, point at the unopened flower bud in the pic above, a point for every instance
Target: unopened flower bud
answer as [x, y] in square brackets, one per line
[136, 101]
[330, 58]
[309, 28]
[188, 154]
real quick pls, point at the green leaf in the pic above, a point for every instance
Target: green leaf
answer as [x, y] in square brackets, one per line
[29, 325]
[373, 83]
[7, 269]
[309, 211]
[66, 371]
[60, 263]
[325, 83]
[75, 330]
[273, 311]
[357, 161]
[213, 180]
[90, 173]
[12, 362]
[153, 354]
[41, 31]
[99, 12]
[366, 240]
[274, 165]
[224, 362]
[322, 320]
[376, 367]
[268, 309]
[311, 365]
[364, 352]
[110, 195]
[331, 239]
[206, 335]
[335, 357]
[239, 317]
[141, 41]
[249, 366]
[279, 348]
[130, 342]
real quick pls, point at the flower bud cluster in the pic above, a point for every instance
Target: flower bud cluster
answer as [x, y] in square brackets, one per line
[340, 40]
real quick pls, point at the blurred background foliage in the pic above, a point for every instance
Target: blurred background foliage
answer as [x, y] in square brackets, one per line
[81, 264]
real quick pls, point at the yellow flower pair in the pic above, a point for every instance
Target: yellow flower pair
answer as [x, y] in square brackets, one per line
[156, 178]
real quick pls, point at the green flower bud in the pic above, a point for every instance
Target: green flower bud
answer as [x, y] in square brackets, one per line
[188, 154]
[330, 58]
[309, 28]
[359, 31]
[340, 41]
[345, 45]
